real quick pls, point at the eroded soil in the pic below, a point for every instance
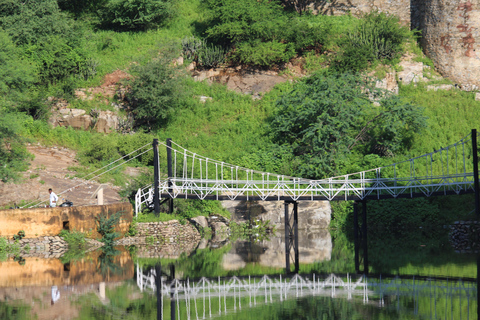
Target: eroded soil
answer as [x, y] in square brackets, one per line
[49, 169]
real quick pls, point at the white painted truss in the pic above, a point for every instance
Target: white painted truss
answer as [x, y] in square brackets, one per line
[212, 297]
[448, 170]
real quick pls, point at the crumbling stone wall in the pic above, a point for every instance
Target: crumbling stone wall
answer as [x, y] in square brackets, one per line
[450, 29]
[400, 8]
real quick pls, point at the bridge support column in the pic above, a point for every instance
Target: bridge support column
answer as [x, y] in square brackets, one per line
[158, 285]
[476, 184]
[364, 236]
[170, 173]
[291, 237]
[156, 177]
[355, 236]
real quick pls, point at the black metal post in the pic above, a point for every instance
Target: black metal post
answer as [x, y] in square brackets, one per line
[287, 239]
[364, 236]
[295, 228]
[158, 285]
[478, 286]
[170, 173]
[355, 235]
[475, 173]
[172, 292]
[172, 306]
[156, 177]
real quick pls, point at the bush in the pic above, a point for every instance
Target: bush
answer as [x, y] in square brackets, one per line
[211, 56]
[16, 74]
[191, 47]
[75, 239]
[324, 117]
[13, 154]
[264, 53]
[156, 92]
[136, 15]
[378, 37]
[49, 37]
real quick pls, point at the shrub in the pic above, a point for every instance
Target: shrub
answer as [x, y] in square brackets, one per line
[378, 37]
[16, 74]
[136, 15]
[106, 226]
[324, 117]
[191, 47]
[75, 239]
[12, 148]
[155, 92]
[211, 56]
[264, 53]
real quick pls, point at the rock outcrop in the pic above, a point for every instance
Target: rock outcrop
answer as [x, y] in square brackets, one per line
[311, 214]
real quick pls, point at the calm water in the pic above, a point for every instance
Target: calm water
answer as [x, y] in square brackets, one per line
[408, 279]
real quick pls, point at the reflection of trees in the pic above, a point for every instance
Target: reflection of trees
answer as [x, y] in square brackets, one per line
[106, 264]
[120, 306]
[14, 311]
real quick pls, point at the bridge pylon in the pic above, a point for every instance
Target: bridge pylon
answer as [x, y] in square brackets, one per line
[291, 237]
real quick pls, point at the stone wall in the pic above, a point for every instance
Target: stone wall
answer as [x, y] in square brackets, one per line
[465, 236]
[400, 8]
[450, 29]
[39, 222]
[34, 271]
[166, 239]
[311, 214]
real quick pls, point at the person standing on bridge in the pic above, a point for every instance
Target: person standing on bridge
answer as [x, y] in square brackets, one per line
[53, 198]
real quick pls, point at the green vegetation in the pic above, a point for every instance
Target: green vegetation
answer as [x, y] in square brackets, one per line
[19, 236]
[76, 240]
[7, 249]
[184, 209]
[106, 227]
[315, 127]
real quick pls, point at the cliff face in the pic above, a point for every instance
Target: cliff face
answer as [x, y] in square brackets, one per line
[449, 30]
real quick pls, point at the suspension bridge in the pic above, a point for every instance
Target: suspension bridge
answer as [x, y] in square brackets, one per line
[212, 297]
[188, 175]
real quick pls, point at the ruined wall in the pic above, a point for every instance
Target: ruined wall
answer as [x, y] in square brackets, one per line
[93, 268]
[400, 8]
[39, 222]
[450, 29]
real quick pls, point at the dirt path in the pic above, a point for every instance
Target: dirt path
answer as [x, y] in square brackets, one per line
[49, 169]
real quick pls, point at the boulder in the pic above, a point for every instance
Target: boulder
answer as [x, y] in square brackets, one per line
[199, 222]
[232, 261]
[311, 214]
[107, 122]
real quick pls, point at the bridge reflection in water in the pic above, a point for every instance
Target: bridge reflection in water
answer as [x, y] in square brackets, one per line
[213, 297]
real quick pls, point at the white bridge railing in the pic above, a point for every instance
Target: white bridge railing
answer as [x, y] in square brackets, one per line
[448, 170]
[213, 296]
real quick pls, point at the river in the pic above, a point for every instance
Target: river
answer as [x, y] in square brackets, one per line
[246, 279]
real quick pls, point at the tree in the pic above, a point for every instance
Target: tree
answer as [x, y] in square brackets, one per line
[136, 15]
[16, 74]
[12, 148]
[324, 117]
[155, 92]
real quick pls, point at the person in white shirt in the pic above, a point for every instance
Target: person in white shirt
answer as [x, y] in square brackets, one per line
[53, 198]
